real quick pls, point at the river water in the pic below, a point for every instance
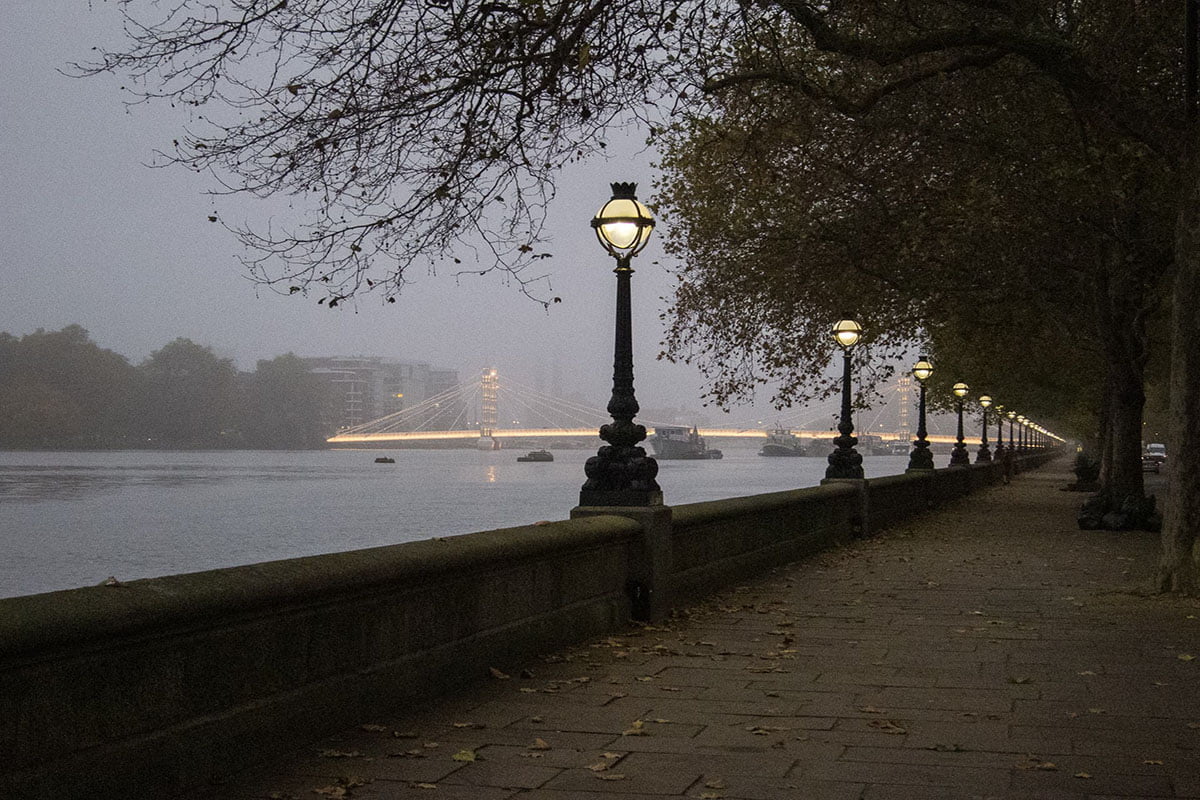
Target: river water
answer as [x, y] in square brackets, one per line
[70, 519]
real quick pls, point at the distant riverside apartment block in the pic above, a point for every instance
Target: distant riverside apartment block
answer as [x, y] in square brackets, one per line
[366, 388]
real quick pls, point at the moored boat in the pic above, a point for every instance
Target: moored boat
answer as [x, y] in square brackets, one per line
[537, 455]
[782, 442]
[870, 444]
[680, 442]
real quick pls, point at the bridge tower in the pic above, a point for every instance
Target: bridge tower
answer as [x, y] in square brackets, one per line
[904, 391]
[489, 383]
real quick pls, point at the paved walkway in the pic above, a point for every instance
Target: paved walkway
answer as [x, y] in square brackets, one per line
[991, 650]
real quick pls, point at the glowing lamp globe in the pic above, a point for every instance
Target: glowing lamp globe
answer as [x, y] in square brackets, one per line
[922, 369]
[960, 389]
[847, 333]
[623, 225]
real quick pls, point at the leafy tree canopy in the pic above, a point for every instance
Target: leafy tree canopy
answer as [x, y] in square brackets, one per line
[967, 210]
[411, 128]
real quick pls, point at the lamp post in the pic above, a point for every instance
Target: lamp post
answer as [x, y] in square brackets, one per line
[845, 461]
[921, 458]
[985, 454]
[959, 457]
[621, 474]
[1000, 451]
[1022, 443]
[1012, 418]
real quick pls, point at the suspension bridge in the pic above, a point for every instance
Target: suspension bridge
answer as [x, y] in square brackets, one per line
[490, 410]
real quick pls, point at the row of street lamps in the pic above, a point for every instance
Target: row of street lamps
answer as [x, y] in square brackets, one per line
[621, 474]
[845, 462]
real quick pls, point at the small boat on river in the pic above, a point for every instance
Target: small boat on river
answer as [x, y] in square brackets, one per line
[537, 455]
[680, 442]
[385, 460]
[782, 442]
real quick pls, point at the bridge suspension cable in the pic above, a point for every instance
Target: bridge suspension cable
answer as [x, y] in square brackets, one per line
[459, 413]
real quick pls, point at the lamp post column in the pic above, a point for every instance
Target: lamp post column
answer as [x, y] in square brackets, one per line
[985, 454]
[845, 461]
[1000, 451]
[921, 458]
[621, 474]
[959, 457]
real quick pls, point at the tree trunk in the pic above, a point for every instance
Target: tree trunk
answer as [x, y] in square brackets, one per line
[1124, 478]
[1179, 569]
[1119, 301]
[1104, 436]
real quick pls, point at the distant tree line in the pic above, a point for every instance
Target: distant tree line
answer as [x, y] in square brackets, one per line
[59, 389]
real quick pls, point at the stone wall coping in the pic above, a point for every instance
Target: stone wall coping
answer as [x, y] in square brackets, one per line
[693, 513]
[886, 481]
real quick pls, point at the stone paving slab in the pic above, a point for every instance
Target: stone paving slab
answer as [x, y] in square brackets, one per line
[990, 650]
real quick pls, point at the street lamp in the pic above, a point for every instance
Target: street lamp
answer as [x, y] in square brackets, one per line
[845, 461]
[1001, 453]
[921, 458]
[1012, 417]
[959, 457]
[621, 474]
[984, 455]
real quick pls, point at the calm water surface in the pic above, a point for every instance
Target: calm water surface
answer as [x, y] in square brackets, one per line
[71, 519]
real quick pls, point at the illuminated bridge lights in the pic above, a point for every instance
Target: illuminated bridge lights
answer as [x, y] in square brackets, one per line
[513, 433]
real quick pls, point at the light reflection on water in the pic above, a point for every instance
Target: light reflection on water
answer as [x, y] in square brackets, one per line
[72, 519]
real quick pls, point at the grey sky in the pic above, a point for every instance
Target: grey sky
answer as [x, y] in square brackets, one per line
[93, 236]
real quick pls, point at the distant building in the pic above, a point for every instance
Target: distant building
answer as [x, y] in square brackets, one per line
[370, 387]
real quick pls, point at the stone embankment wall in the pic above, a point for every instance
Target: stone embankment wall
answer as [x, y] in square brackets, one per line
[147, 689]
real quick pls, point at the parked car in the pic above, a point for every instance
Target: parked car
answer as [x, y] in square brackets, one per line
[1154, 457]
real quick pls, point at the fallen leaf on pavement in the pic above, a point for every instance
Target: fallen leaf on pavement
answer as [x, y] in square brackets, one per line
[636, 729]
